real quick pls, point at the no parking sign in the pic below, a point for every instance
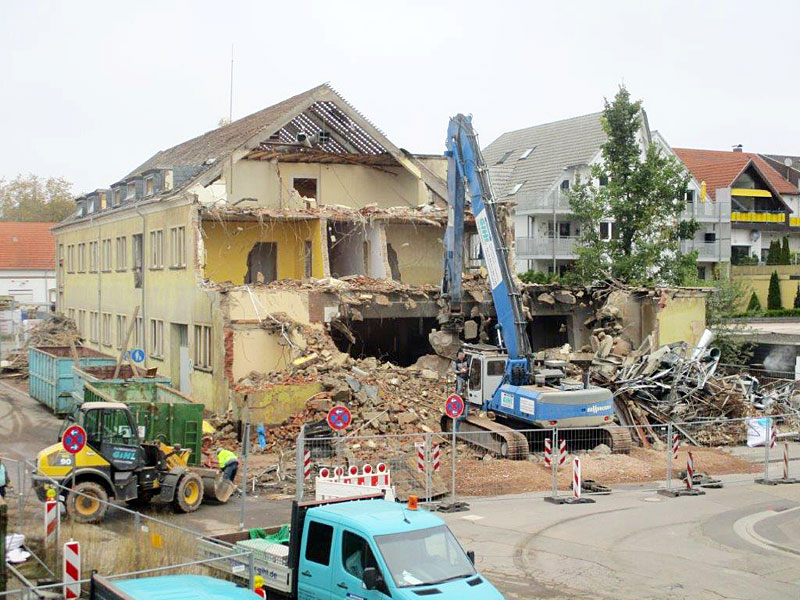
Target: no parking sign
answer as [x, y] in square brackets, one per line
[339, 418]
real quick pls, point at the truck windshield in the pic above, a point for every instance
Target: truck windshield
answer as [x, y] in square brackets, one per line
[424, 557]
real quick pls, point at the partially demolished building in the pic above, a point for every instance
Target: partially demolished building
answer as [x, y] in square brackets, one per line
[289, 215]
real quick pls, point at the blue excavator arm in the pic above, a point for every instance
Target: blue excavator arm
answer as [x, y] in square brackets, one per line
[467, 173]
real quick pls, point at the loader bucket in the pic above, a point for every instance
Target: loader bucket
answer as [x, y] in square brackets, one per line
[217, 489]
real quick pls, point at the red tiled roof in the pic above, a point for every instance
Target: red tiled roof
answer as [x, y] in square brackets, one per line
[27, 246]
[719, 168]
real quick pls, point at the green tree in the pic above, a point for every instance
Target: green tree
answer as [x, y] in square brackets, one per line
[774, 254]
[786, 254]
[644, 196]
[797, 297]
[724, 302]
[774, 294]
[34, 198]
[755, 304]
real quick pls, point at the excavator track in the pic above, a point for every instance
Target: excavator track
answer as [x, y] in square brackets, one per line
[619, 438]
[500, 440]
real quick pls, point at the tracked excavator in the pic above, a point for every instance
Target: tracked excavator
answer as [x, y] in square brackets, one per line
[505, 391]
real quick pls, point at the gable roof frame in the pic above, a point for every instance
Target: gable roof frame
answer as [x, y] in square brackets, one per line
[765, 179]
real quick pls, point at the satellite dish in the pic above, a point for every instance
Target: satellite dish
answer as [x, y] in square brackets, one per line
[787, 161]
[754, 235]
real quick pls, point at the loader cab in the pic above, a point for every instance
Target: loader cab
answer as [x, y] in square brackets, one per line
[111, 431]
[487, 366]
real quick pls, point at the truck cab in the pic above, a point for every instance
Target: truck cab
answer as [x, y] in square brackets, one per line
[375, 550]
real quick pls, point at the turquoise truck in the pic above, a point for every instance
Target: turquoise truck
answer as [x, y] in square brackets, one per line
[167, 587]
[359, 549]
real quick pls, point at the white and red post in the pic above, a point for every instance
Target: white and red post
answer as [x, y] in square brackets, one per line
[420, 446]
[52, 516]
[562, 452]
[307, 464]
[576, 478]
[72, 570]
[547, 452]
[786, 460]
[676, 443]
[437, 458]
[689, 472]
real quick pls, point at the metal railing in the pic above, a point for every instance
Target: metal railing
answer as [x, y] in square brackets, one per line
[534, 203]
[545, 246]
[718, 250]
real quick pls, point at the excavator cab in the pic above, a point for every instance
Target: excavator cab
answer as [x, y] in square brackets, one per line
[487, 366]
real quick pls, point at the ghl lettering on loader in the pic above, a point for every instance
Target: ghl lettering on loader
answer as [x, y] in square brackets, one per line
[117, 465]
[362, 548]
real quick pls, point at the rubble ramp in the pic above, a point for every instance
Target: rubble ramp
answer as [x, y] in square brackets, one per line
[501, 440]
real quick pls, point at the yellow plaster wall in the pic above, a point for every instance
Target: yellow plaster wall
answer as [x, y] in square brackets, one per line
[356, 186]
[168, 294]
[756, 278]
[419, 252]
[274, 406]
[258, 350]
[228, 243]
[242, 306]
[682, 319]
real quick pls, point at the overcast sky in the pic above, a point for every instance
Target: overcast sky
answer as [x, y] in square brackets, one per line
[92, 89]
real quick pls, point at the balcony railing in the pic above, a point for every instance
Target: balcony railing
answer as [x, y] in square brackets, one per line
[758, 216]
[546, 246]
[719, 250]
[555, 200]
[706, 211]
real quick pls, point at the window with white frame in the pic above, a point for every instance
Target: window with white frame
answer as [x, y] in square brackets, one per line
[71, 314]
[202, 346]
[81, 323]
[92, 257]
[81, 258]
[156, 338]
[122, 253]
[116, 198]
[107, 256]
[138, 335]
[94, 327]
[157, 249]
[131, 192]
[177, 245]
[121, 321]
[71, 258]
[107, 329]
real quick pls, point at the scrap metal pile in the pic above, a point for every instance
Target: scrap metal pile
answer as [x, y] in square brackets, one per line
[678, 384]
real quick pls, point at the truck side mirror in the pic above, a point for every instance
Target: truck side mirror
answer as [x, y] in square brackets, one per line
[471, 556]
[370, 578]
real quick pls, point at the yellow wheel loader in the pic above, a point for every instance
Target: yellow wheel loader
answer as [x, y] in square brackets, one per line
[116, 465]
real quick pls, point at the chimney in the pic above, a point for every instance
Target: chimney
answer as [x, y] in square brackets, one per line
[737, 148]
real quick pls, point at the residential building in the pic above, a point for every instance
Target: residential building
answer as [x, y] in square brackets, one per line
[764, 205]
[226, 242]
[534, 169]
[28, 263]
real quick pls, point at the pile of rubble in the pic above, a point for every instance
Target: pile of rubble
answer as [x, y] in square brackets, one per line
[57, 330]
[680, 385]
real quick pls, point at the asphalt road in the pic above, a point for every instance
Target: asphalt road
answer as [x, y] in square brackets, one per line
[742, 541]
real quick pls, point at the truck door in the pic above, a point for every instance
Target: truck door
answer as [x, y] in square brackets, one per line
[355, 555]
[475, 383]
[314, 578]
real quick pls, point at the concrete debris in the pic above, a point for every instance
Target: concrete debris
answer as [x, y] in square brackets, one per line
[57, 330]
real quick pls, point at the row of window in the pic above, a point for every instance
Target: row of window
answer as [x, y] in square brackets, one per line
[100, 332]
[101, 254]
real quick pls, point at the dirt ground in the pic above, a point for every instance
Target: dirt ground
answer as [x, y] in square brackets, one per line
[477, 477]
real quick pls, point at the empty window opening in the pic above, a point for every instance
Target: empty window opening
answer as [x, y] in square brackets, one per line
[394, 264]
[399, 340]
[262, 263]
[305, 186]
[548, 331]
[565, 184]
[138, 259]
[345, 249]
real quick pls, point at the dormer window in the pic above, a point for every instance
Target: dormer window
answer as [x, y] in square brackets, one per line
[116, 197]
[131, 191]
[565, 184]
[103, 201]
[504, 158]
[149, 186]
[324, 137]
[91, 205]
[81, 208]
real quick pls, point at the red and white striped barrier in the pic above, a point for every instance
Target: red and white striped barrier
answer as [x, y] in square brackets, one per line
[72, 570]
[51, 521]
[576, 478]
[336, 484]
[437, 463]
[547, 452]
[676, 443]
[562, 453]
[420, 446]
[261, 592]
[689, 472]
[773, 435]
[786, 460]
[306, 464]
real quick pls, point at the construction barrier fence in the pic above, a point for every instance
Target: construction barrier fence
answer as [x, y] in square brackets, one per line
[127, 543]
[612, 459]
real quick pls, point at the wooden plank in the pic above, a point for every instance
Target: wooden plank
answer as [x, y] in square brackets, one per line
[124, 348]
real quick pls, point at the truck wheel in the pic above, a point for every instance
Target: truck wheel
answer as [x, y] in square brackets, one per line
[188, 493]
[92, 506]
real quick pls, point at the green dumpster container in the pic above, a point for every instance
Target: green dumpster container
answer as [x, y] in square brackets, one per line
[161, 412]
